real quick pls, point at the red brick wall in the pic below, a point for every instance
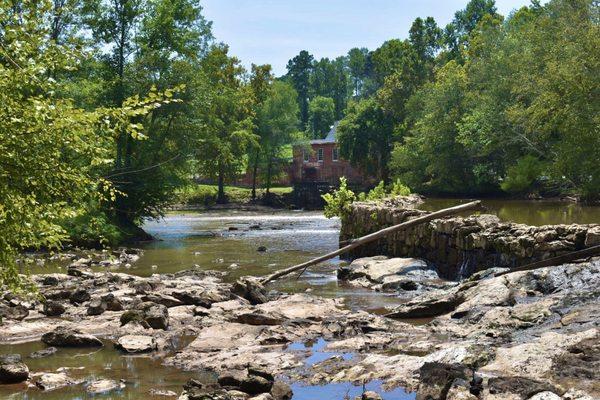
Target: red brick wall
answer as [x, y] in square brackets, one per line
[326, 170]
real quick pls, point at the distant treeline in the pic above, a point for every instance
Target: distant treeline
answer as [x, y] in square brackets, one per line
[487, 104]
[109, 107]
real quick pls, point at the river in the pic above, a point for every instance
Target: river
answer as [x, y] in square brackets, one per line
[230, 241]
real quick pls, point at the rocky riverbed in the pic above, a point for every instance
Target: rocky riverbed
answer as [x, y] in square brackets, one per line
[525, 335]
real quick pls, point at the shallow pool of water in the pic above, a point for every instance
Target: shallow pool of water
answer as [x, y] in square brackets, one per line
[141, 374]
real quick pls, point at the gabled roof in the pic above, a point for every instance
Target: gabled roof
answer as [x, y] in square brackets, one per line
[330, 138]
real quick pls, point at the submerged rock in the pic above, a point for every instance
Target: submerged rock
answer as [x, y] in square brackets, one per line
[43, 353]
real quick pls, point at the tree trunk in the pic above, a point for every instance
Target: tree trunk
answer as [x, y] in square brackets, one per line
[221, 194]
[269, 166]
[254, 172]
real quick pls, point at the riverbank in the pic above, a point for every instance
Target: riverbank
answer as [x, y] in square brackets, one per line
[512, 337]
[321, 336]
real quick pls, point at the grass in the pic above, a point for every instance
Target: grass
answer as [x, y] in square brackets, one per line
[200, 194]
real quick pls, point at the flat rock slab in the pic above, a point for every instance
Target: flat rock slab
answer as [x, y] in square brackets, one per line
[136, 344]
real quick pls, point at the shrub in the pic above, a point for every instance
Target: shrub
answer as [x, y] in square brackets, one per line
[338, 203]
[522, 176]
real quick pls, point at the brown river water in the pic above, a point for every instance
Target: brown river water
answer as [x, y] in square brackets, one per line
[228, 241]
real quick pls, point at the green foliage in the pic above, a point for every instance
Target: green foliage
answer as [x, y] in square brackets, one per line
[92, 228]
[206, 195]
[228, 128]
[52, 153]
[299, 69]
[522, 176]
[366, 136]
[337, 204]
[277, 122]
[321, 116]
[399, 189]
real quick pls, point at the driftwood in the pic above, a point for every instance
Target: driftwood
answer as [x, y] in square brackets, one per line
[373, 236]
[555, 261]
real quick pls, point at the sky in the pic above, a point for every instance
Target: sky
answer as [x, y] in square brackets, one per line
[273, 31]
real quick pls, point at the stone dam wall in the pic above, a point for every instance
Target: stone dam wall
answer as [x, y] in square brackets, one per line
[460, 246]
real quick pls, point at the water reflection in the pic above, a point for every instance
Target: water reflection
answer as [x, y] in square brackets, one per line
[542, 212]
[141, 374]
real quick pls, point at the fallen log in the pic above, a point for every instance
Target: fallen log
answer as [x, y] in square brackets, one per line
[555, 261]
[373, 236]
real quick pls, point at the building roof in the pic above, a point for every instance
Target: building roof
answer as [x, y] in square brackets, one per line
[330, 138]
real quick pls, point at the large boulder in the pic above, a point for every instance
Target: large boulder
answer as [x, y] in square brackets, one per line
[69, 337]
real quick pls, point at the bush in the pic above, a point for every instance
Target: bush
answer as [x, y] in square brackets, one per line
[522, 176]
[337, 204]
[92, 228]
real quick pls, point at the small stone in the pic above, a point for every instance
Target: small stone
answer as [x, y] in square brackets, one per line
[545, 396]
[370, 395]
[96, 307]
[79, 296]
[261, 249]
[112, 303]
[136, 344]
[50, 280]
[162, 393]
[43, 353]
[133, 316]
[53, 309]
[104, 386]
[16, 312]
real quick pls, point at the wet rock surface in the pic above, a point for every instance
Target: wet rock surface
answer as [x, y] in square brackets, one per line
[516, 336]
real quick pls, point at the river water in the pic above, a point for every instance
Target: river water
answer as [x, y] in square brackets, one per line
[230, 241]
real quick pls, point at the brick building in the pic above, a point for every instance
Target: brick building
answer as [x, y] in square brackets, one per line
[322, 163]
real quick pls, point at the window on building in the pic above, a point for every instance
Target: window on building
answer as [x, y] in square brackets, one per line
[306, 156]
[320, 154]
[334, 154]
